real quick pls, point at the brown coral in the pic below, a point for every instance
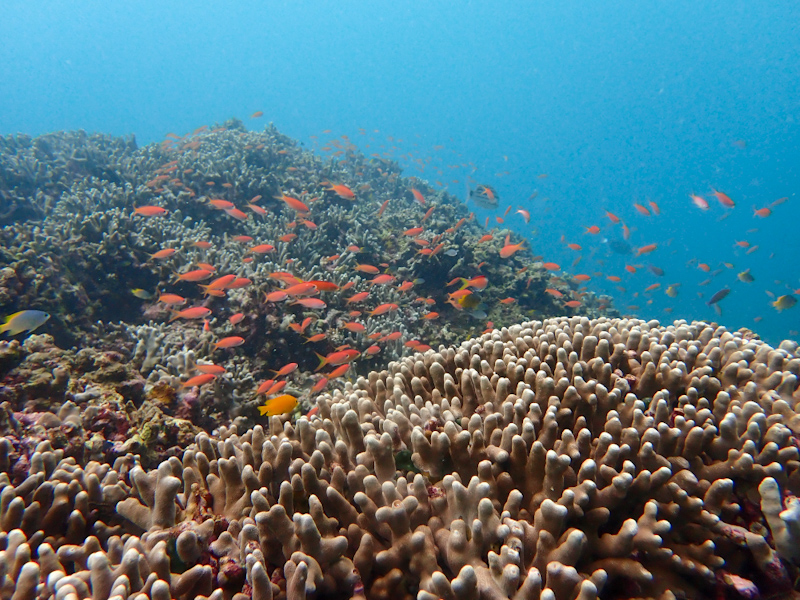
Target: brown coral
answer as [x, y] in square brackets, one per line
[537, 472]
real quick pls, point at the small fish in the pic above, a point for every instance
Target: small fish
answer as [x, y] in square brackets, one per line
[229, 342]
[172, 299]
[576, 247]
[359, 297]
[418, 196]
[161, 254]
[196, 275]
[149, 211]
[746, 277]
[551, 266]
[699, 201]
[294, 203]
[312, 303]
[24, 320]
[199, 380]
[762, 212]
[276, 296]
[195, 312]
[382, 279]
[142, 294]
[509, 249]
[641, 209]
[258, 114]
[342, 191]
[279, 405]
[383, 309]
[286, 369]
[526, 215]
[646, 249]
[724, 199]
[671, 291]
[784, 302]
[261, 249]
[594, 230]
[719, 296]
[612, 217]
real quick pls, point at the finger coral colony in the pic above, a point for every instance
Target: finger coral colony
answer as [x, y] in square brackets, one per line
[575, 457]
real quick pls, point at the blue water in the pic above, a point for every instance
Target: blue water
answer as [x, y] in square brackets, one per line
[615, 102]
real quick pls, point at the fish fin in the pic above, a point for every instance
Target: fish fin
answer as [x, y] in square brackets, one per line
[322, 361]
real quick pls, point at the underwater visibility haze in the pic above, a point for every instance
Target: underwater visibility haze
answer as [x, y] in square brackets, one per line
[399, 300]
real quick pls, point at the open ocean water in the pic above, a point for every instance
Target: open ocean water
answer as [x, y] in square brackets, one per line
[567, 109]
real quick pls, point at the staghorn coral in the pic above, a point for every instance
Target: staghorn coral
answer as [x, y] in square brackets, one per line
[569, 458]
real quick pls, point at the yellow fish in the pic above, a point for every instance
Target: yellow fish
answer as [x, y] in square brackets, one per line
[279, 405]
[24, 320]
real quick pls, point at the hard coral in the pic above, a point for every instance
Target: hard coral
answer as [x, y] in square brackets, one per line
[545, 477]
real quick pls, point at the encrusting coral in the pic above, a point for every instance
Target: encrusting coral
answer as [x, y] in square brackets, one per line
[570, 458]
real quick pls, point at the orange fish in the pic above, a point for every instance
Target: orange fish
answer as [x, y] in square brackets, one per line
[652, 287]
[614, 278]
[196, 275]
[343, 192]
[317, 337]
[276, 296]
[724, 199]
[576, 247]
[509, 249]
[337, 358]
[280, 405]
[294, 203]
[646, 249]
[641, 209]
[553, 292]
[257, 209]
[508, 300]
[479, 282]
[413, 231]
[288, 237]
[286, 369]
[431, 315]
[383, 207]
[655, 208]
[382, 279]
[614, 218]
[236, 214]
[313, 303]
[221, 204]
[261, 249]
[525, 215]
[550, 266]
[594, 229]
[149, 211]
[704, 267]
[372, 350]
[418, 196]
[630, 268]
[302, 289]
[257, 114]
[581, 277]
[195, 312]
[359, 297]
[383, 309]
[171, 299]
[626, 233]
[485, 238]
[239, 283]
[229, 342]
[199, 380]
[242, 239]
[354, 327]
[324, 286]
[573, 303]
[210, 369]
[761, 212]
[161, 254]
[236, 318]
[318, 387]
[368, 269]
[338, 371]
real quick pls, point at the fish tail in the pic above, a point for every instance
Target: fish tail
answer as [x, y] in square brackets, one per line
[5, 326]
[322, 361]
[174, 316]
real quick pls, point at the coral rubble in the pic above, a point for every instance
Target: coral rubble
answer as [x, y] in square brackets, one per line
[558, 459]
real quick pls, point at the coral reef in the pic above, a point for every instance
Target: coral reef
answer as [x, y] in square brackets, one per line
[557, 459]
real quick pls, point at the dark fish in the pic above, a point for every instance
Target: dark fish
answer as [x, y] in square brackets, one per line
[719, 296]
[657, 271]
[484, 196]
[620, 246]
